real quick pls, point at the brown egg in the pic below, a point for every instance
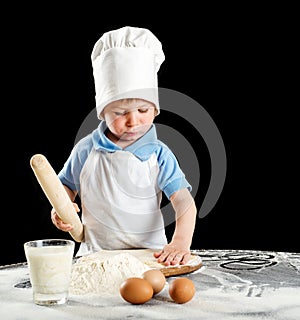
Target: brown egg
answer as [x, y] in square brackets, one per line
[182, 290]
[136, 290]
[156, 278]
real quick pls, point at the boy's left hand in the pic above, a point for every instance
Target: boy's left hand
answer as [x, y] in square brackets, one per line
[173, 254]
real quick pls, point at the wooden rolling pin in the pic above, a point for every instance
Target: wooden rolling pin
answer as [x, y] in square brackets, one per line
[56, 194]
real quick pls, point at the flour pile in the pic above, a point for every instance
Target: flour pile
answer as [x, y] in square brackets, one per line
[97, 274]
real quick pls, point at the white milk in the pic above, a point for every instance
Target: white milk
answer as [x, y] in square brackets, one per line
[50, 272]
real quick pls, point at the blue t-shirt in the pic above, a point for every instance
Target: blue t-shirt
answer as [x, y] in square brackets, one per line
[170, 177]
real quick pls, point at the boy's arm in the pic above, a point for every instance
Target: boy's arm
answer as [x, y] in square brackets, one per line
[178, 250]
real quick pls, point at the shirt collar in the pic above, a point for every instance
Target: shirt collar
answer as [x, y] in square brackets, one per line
[142, 148]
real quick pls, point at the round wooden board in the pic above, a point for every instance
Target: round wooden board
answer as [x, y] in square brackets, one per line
[181, 269]
[146, 256]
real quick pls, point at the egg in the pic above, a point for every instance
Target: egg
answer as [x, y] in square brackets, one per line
[136, 290]
[182, 290]
[156, 278]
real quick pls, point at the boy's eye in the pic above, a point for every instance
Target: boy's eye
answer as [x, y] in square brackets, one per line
[121, 113]
[143, 110]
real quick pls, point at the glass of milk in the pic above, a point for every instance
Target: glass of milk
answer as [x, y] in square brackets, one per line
[50, 265]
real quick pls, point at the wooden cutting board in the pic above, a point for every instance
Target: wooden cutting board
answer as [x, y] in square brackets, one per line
[181, 269]
[194, 264]
[146, 256]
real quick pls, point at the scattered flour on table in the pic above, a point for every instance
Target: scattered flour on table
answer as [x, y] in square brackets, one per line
[93, 275]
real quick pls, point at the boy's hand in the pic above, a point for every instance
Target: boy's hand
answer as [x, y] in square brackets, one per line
[59, 223]
[172, 254]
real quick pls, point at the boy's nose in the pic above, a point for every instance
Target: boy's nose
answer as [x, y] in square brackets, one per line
[132, 118]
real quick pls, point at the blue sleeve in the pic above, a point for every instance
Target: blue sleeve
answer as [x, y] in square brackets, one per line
[70, 173]
[170, 177]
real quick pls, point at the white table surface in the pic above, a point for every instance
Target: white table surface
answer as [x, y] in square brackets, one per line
[232, 284]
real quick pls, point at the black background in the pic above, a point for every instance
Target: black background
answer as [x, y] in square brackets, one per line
[238, 65]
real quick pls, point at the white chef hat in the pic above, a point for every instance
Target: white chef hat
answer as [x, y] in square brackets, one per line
[125, 64]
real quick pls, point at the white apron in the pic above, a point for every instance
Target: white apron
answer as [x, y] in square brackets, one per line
[120, 202]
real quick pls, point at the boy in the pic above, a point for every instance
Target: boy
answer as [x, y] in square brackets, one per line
[121, 169]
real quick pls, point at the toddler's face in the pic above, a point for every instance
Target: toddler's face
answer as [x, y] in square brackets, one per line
[128, 120]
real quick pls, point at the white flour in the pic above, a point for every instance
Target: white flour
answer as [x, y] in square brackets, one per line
[103, 275]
